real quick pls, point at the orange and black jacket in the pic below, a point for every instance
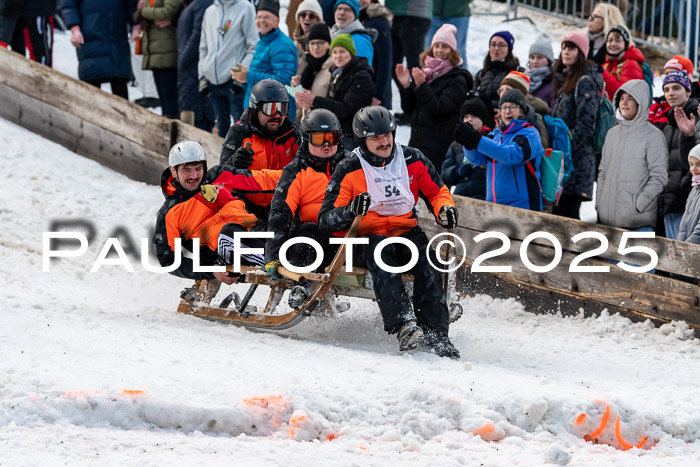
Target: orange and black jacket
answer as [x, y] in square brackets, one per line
[270, 151]
[348, 180]
[299, 195]
[188, 215]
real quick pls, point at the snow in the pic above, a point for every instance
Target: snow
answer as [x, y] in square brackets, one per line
[98, 368]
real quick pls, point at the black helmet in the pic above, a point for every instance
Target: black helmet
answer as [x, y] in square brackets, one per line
[372, 121]
[319, 120]
[267, 90]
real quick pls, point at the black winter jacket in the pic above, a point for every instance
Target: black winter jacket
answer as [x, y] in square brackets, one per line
[104, 25]
[434, 109]
[376, 16]
[189, 28]
[487, 84]
[678, 186]
[348, 92]
[473, 184]
[579, 110]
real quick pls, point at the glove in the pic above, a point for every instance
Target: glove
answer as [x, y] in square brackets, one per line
[462, 170]
[204, 87]
[242, 158]
[448, 217]
[360, 204]
[271, 268]
[209, 192]
[466, 135]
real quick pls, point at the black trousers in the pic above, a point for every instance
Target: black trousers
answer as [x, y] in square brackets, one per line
[303, 254]
[166, 83]
[34, 34]
[428, 307]
[118, 85]
[408, 40]
[569, 206]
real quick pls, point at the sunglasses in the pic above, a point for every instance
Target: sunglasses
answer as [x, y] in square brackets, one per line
[307, 14]
[272, 108]
[319, 139]
[594, 17]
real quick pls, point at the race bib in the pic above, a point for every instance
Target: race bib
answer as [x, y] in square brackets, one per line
[389, 186]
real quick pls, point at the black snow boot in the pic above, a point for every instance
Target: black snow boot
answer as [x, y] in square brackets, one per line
[409, 334]
[440, 344]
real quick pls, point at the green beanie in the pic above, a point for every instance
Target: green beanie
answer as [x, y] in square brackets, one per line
[344, 41]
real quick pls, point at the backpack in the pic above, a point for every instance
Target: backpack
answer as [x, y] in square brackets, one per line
[648, 77]
[604, 120]
[556, 164]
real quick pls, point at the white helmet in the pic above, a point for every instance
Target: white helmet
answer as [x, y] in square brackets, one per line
[186, 151]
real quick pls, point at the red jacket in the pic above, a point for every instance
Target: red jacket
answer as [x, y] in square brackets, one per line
[616, 71]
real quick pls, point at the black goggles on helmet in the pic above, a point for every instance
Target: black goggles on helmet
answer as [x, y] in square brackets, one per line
[319, 139]
[272, 108]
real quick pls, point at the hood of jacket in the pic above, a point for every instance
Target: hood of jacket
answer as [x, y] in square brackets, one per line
[376, 10]
[639, 90]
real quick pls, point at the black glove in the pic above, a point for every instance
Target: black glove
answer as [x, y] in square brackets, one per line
[204, 87]
[242, 158]
[462, 170]
[448, 217]
[360, 204]
[466, 135]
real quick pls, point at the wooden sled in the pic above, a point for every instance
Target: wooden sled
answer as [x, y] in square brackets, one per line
[197, 300]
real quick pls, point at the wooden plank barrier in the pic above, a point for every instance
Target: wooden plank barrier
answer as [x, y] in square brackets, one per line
[135, 142]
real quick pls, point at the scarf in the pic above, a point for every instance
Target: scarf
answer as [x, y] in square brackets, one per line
[313, 66]
[696, 180]
[354, 27]
[537, 76]
[435, 67]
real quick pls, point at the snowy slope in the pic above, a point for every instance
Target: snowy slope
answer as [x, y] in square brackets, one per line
[98, 368]
[72, 341]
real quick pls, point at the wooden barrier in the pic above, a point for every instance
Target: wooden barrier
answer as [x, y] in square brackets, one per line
[135, 142]
[116, 133]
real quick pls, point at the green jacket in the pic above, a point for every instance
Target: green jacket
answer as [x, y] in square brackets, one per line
[451, 8]
[419, 8]
[159, 45]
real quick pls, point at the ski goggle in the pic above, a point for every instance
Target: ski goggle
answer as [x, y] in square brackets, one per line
[330, 137]
[272, 108]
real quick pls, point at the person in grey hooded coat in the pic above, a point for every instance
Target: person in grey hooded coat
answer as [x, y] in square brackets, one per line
[634, 167]
[689, 230]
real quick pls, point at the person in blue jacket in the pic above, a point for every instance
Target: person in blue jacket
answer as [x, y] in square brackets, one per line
[275, 55]
[99, 32]
[347, 21]
[507, 152]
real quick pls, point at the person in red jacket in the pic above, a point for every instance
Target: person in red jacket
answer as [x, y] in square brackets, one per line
[623, 61]
[382, 182]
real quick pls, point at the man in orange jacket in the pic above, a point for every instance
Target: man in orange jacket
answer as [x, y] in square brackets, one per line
[208, 212]
[273, 136]
[382, 182]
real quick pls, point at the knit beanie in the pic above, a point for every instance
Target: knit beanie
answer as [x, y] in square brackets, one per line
[319, 31]
[506, 36]
[475, 106]
[621, 30]
[680, 77]
[344, 41]
[354, 4]
[513, 96]
[272, 6]
[542, 46]
[310, 5]
[447, 35]
[680, 63]
[517, 80]
[695, 152]
[580, 40]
